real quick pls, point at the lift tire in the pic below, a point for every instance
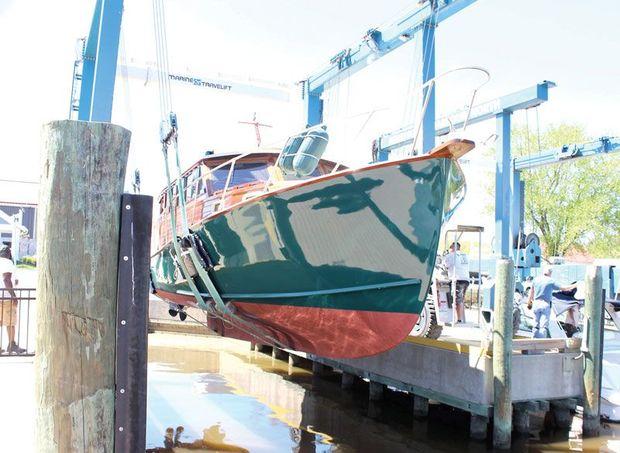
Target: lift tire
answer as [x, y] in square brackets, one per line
[428, 326]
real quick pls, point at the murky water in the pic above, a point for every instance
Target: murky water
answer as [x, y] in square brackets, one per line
[213, 394]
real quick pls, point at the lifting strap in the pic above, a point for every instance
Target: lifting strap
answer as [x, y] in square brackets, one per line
[169, 136]
[219, 308]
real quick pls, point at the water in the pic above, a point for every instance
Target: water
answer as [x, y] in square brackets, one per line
[215, 394]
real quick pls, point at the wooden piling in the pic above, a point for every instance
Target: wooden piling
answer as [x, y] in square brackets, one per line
[420, 406]
[563, 412]
[279, 354]
[318, 369]
[478, 426]
[348, 380]
[82, 179]
[521, 415]
[375, 391]
[502, 353]
[293, 360]
[592, 350]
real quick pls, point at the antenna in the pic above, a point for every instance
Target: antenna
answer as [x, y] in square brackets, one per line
[257, 127]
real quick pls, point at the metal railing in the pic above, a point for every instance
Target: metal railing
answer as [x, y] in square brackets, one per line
[17, 316]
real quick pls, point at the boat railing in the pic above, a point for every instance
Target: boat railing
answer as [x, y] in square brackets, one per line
[232, 161]
[410, 134]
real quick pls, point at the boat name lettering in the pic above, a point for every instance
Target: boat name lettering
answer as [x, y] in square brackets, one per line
[200, 82]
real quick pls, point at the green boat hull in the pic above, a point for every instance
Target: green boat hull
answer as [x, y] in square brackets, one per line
[337, 246]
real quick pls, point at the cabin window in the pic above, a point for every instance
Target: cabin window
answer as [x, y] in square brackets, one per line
[217, 178]
[244, 173]
[202, 187]
[191, 184]
[249, 172]
[162, 204]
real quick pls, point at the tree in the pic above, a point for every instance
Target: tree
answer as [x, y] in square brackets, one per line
[573, 206]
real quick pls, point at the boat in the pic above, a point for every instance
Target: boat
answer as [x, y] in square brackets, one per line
[336, 263]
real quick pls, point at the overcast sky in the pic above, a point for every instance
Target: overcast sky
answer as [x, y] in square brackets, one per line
[574, 43]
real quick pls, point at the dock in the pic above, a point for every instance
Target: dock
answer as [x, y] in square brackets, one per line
[457, 371]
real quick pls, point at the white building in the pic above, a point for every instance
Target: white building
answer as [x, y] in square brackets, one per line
[18, 216]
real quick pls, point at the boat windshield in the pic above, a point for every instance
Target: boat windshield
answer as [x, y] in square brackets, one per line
[243, 173]
[455, 189]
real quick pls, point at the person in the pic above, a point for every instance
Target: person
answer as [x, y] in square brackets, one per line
[539, 301]
[8, 313]
[457, 265]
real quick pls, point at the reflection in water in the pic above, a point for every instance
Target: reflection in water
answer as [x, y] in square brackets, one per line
[214, 394]
[212, 440]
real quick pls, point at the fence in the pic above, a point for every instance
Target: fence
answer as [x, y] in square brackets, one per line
[17, 317]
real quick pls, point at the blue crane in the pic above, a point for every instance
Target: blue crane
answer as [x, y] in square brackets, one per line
[100, 56]
[101, 53]
[376, 43]
[601, 146]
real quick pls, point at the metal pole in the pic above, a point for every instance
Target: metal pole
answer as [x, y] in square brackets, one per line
[428, 73]
[132, 323]
[502, 353]
[592, 350]
[455, 311]
[479, 272]
[502, 185]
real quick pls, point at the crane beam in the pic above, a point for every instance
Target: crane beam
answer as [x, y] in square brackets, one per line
[510, 103]
[523, 99]
[603, 145]
[273, 90]
[379, 42]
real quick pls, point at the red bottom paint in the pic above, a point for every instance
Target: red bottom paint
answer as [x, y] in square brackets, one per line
[326, 332]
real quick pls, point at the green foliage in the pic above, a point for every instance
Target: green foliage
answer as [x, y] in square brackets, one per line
[574, 206]
[29, 260]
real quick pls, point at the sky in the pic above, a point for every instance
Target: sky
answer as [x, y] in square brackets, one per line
[572, 42]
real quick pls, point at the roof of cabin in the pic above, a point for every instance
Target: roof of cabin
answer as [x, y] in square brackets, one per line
[231, 154]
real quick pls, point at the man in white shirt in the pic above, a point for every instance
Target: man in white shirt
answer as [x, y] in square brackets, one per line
[8, 299]
[457, 265]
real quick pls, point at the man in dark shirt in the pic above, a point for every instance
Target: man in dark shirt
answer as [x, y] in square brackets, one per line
[541, 293]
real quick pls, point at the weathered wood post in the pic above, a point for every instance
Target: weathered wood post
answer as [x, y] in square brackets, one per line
[592, 350]
[502, 353]
[82, 179]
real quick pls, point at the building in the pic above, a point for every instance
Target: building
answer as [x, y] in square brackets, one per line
[18, 216]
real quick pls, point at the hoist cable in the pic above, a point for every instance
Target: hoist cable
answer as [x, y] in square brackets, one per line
[527, 131]
[537, 129]
[169, 136]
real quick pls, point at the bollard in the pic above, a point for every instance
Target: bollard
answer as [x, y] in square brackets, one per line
[82, 179]
[592, 350]
[502, 353]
